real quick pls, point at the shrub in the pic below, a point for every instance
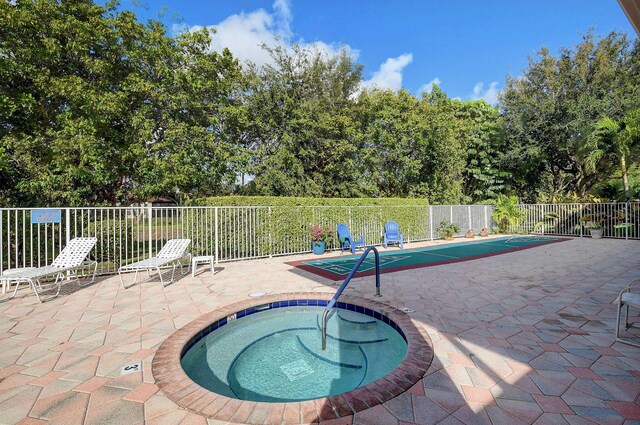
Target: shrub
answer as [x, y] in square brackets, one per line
[507, 213]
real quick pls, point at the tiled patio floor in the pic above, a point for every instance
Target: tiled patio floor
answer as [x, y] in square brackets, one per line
[525, 337]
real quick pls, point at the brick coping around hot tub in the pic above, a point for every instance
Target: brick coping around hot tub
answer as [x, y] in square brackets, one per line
[178, 387]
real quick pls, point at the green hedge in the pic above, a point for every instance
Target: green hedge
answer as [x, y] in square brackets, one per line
[274, 201]
[281, 226]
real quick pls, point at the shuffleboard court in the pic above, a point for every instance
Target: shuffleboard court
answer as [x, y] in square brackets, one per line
[337, 268]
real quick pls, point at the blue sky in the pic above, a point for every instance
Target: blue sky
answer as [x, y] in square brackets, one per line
[468, 46]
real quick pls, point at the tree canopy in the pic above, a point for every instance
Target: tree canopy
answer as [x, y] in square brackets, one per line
[97, 108]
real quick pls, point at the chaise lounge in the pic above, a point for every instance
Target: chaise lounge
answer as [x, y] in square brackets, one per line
[71, 259]
[169, 256]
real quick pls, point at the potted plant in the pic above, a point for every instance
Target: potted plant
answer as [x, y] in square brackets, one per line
[320, 237]
[447, 230]
[593, 224]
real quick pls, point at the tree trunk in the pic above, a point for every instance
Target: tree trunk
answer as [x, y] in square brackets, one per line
[625, 177]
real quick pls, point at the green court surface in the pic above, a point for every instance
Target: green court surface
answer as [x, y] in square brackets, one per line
[337, 268]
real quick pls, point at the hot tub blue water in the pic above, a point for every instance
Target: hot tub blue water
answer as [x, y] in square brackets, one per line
[275, 355]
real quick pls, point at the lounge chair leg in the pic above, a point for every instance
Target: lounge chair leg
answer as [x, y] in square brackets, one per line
[93, 277]
[122, 281]
[161, 279]
[15, 291]
[173, 273]
[58, 282]
[618, 321]
[35, 290]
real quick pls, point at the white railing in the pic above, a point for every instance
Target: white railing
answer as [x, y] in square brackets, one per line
[618, 220]
[126, 234]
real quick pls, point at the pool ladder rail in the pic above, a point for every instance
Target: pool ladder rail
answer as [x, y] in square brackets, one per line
[331, 304]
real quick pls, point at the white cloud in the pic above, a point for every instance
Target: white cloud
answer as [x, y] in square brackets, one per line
[389, 75]
[490, 95]
[426, 88]
[244, 34]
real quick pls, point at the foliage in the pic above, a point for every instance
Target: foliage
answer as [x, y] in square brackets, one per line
[302, 201]
[98, 108]
[506, 212]
[486, 173]
[321, 234]
[447, 230]
[300, 129]
[551, 111]
[281, 224]
[592, 221]
[614, 143]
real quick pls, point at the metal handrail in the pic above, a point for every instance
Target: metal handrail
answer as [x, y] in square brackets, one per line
[344, 285]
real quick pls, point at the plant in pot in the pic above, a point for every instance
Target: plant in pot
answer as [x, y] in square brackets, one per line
[320, 237]
[447, 230]
[593, 224]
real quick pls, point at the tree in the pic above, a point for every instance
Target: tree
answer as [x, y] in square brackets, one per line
[550, 112]
[301, 129]
[506, 212]
[486, 173]
[98, 108]
[615, 141]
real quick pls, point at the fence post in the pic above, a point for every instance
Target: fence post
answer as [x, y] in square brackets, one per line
[470, 221]
[626, 222]
[215, 224]
[150, 223]
[431, 222]
[451, 213]
[270, 236]
[543, 222]
[68, 224]
[2, 241]
[580, 220]
[486, 218]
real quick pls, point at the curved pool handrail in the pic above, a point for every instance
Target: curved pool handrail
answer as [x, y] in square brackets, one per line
[333, 301]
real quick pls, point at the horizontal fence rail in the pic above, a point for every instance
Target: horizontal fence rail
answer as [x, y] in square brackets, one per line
[34, 237]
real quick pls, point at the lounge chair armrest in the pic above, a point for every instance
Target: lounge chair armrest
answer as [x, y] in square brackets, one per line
[631, 286]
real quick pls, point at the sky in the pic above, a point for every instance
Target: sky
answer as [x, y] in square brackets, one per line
[467, 47]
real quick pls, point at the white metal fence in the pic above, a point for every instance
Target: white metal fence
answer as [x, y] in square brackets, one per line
[618, 220]
[126, 234]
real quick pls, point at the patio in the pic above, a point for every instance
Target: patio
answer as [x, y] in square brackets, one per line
[525, 337]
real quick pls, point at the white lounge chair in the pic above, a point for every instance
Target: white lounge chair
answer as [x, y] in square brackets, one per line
[168, 257]
[71, 259]
[627, 299]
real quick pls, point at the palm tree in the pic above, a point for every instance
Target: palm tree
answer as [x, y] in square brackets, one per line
[506, 212]
[616, 140]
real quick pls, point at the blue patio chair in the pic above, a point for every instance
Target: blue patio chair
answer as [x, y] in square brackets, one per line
[391, 234]
[347, 241]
